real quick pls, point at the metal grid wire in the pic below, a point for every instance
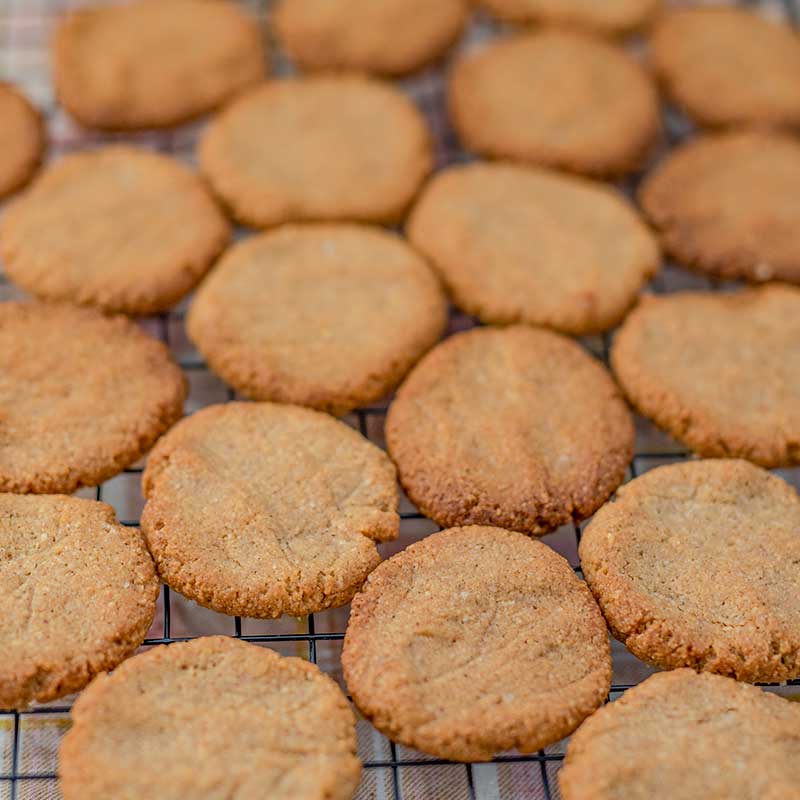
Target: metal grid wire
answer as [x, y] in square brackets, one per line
[29, 739]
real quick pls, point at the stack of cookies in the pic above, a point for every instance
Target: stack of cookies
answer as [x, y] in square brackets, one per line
[374, 268]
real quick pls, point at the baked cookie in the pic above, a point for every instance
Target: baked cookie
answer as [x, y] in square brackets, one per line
[213, 717]
[82, 396]
[151, 64]
[22, 139]
[122, 229]
[387, 37]
[558, 98]
[260, 509]
[324, 148]
[328, 315]
[721, 373]
[474, 641]
[725, 205]
[515, 244]
[686, 736]
[697, 565]
[728, 66]
[77, 595]
[514, 427]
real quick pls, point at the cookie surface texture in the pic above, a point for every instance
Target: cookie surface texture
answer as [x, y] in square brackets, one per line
[122, 229]
[22, 139]
[212, 718]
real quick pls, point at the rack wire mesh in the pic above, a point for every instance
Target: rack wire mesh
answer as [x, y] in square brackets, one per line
[29, 739]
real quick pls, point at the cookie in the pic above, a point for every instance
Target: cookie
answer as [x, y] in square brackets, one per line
[214, 717]
[82, 396]
[22, 139]
[474, 641]
[685, 736]
[558, 98]
[260, 509]
[516, 244]
[721, 373]
[322, 148]
[728, 66]
[77, 595]
[386, 37]
[122, 229]
[151, 64]
[725, 205]
[515, 427]
[696, 564]
[324, 315]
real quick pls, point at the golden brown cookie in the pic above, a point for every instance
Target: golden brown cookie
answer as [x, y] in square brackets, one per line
[211, 718]
[517, 244]
[729, 66]
[261, 509]
[475, 641]
[122, 229]
[82, 396]
[151, 64]
[77, 595]
[558, 98]
[721, 373]
[697, 565]
[687, 736]
[387, 37]
[22, 139]
[324, 148]
[725, 205]
[514, 427]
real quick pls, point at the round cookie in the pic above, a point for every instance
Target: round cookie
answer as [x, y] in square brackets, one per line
[558, 98]
[697, 564]
[387, 37]
[504, 649]
[260, 509]
[729, 66]
[82, 396]
[321, 148]
[77, 595]
[515, 244]
[152, 64]
[685, 736]
[720, 372]
[514, 427]
[725, 205]
[213, 717]
[324, 315]
[122, 229]
[22, 139]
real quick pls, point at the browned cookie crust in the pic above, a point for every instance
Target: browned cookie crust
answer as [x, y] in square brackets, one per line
[22, 139]
[474, 641]
[211, 718]
[513, 427]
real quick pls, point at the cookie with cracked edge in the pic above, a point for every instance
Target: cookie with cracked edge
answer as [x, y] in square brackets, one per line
[22, 139]
[514, 427]
[259, 509]
[386, 37]
[518, 244]
[696, 565]
[599, 117]
[82, 396]
[724, 205]
[474, 641]
[118, 228]
[720, 372]
[77, 595]
[686, 736]
[151, 64]
[321, 148]
[212, 717]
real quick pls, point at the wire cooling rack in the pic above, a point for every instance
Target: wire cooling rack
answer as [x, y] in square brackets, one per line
[29, 739]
